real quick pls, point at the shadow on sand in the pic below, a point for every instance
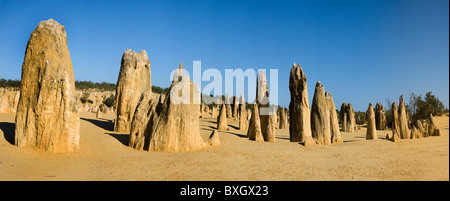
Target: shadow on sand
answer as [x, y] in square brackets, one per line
[122, 138]
[102, 123]
[8, 131]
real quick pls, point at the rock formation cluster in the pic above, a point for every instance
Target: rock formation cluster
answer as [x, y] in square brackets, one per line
[47, 106]
[401, 128]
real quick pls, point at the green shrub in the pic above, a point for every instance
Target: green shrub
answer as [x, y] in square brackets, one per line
[422, 108]
[84, 97]
[159, 90]
[103, 86]
[110, 101]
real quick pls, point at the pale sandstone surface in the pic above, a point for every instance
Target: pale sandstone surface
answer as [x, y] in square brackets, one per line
[134, 79]
[47, 112]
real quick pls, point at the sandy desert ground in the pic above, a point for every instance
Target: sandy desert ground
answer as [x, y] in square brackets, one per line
[104, 155]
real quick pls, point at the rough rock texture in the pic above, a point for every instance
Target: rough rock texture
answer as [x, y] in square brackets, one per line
[47, 113]
[415, 132]
[145, 115]
[254, 132]
[98, 114]
[91, 99]
[173, 125]
[343, 117]
[371, 133]
[380, 117]
[351, 122]
[395, 124]
[229, 110]
[266, 113]
[222, 123]
[243, 122]
[214, 112]
[177, 127]
[394, 138]
[283, 119]
[420, 129]
[320, 117]
[432, 129]
[214, 139]
[235, 107]
[405, 133]
[347, 117]
[9, 99]
[299, 110]
[334, 123]
[134, 79]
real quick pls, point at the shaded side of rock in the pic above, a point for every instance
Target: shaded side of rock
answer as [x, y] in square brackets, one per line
[334, 123]
[222, 123]
[214, 139]
[254, 132]
[242, 115]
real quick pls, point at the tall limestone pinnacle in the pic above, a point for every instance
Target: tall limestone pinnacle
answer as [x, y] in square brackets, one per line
[299, 110]
[334, 123]
[47, 113]
[371, 133]
[320, 117]
[134, 80]
[266, 112]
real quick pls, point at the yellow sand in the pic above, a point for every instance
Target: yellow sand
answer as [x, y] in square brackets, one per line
[104, 155]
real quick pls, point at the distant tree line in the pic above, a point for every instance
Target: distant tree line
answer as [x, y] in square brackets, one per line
[82, 85]
[159, 90]
[9, 83]
[103, 86]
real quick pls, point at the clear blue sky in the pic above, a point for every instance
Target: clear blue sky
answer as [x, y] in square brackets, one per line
[362, 51]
